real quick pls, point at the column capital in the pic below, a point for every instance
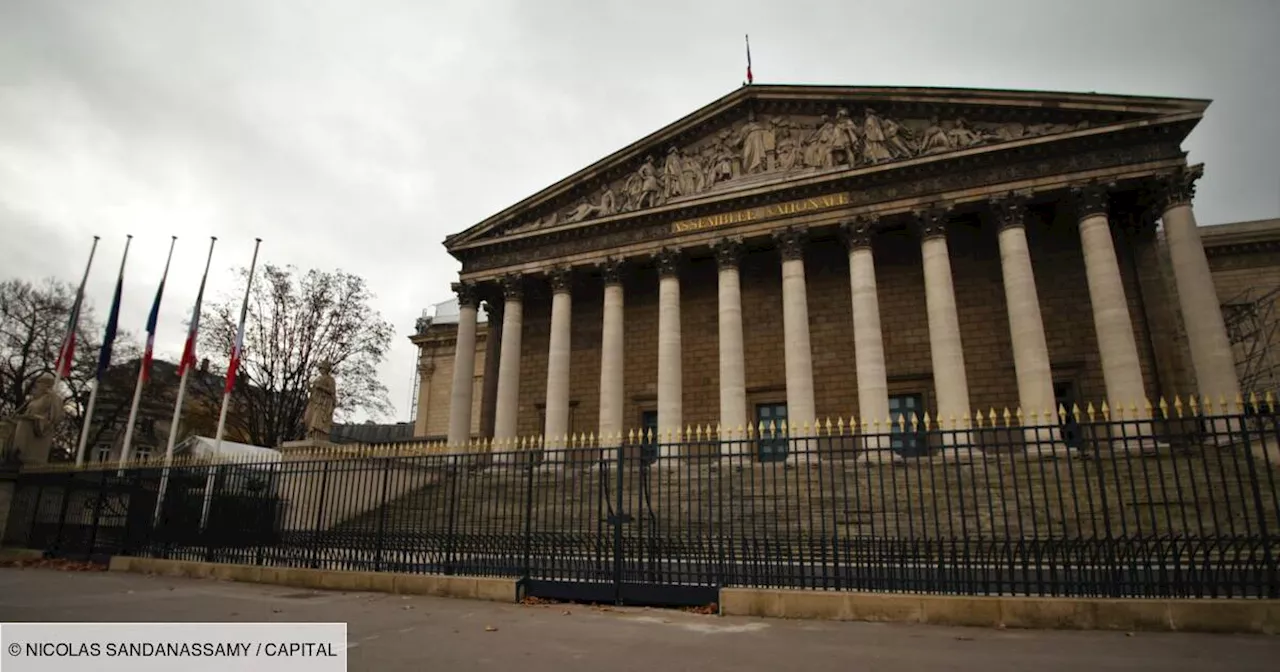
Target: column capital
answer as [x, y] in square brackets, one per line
[1177, 187]
[493, 309]
[668, 261]
[1090, 199]
[931, 221]
[728, 252]
[1009, 210]
[790, 242]
[561, 278]
[512, 286]
[468, 294]
[611, 269]
[857, 232]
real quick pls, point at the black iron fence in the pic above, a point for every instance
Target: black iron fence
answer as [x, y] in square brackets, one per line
[1181, 507]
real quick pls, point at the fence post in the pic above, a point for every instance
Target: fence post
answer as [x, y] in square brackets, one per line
[62, 513]
[382, 516]
[451, 491]
[1267, 558]
[99, 502]
[528, 515]
[315, 531]
[35, 513]
[618, 518]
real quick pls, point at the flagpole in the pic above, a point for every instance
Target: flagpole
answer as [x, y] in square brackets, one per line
[68, 341]
[142, 373]
[185, 365]
[93, 384]
[226, 392]
[244, 311]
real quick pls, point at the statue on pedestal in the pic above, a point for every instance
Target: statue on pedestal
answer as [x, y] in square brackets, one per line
[33, 428]
[318, 418]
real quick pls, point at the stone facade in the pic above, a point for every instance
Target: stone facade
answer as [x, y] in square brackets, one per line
[943, 212]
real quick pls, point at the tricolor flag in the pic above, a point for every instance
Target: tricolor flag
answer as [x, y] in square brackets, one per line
[749, 78]
[67, 351]
[236, 349]
[189, 349]
[113, 321]
[154, 316]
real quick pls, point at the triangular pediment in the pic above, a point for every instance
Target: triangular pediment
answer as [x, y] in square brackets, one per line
[762, 135]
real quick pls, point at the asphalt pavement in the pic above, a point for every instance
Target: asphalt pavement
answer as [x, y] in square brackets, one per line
[393, 632]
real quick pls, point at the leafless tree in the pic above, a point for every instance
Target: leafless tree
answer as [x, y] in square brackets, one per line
[33, 321]
[295, 321]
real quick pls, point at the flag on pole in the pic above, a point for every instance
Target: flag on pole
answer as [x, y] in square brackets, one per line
[236, 348]
[67, 351]
[749, 77]
[113, 320]
[189, 348]
[154, 316]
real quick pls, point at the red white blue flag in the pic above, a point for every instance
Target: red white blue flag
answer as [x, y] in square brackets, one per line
[189, 348]
[154, 316]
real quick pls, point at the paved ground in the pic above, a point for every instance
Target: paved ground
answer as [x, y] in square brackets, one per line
[392, 632]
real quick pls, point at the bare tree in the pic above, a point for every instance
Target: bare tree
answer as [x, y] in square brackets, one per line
[33, 321]
[296, 321]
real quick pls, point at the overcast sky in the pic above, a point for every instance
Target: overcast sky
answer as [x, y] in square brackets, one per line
[357, 135]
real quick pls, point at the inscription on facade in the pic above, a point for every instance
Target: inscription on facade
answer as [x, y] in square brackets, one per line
[763, 212]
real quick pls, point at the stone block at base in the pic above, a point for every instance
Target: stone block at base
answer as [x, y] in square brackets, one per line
[1206, 615]
[482, 588]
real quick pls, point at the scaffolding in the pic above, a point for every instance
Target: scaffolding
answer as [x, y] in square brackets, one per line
[1252, 319]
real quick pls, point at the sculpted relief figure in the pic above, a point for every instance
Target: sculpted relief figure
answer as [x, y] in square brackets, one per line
[934, 140]
[318, 418]
[691, 181]
[758, 143]
[32, 429]
[787, 152]
[844, 143]
[671, 171]
[607, 205]
[962, 136]
[874, 147]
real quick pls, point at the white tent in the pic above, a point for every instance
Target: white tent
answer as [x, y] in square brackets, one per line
[204, 447]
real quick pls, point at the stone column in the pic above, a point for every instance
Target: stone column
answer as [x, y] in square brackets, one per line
[612, 357]
[1026, 326]
[507, 413]
[558, 357]
[950, 382]
[868, 341]
[670, 371]
[426, 368]
[1211, 354]
[492, 361]
[733, 370]
[464, 368]
[797, 354]
[1117, 347]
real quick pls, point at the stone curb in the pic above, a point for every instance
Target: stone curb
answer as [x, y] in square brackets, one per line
[469, 587]
[15, 554]
[1047, 613]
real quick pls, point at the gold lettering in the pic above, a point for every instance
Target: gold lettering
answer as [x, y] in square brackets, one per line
[765, 211]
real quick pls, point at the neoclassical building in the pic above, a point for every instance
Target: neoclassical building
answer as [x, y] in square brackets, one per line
[804, 252]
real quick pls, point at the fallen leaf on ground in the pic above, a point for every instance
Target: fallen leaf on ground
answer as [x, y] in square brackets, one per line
[490, 628]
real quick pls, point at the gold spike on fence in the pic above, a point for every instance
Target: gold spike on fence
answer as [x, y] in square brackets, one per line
[1177, 404]
[1192, 405]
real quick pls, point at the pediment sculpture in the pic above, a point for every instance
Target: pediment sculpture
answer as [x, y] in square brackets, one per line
[759, 149]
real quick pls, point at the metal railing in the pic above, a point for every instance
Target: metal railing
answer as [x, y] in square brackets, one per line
[1091, 506]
